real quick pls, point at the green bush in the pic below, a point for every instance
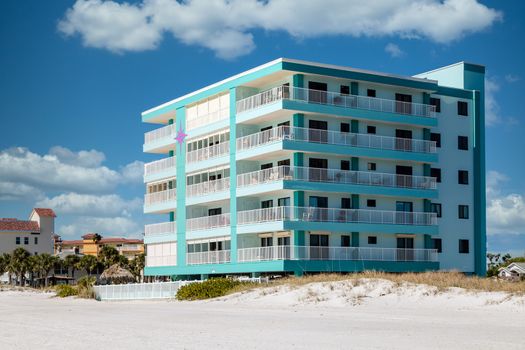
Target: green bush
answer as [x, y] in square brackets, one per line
[85, 287]
[213, 288]
[65, 290]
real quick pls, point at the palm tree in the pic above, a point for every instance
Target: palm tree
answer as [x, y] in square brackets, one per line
[33, 268]
[89, 263]
[96, 238]
[20, 263]
[108, 256]
[71, 261]
[136, 266]
[47, 263]
[4, 264]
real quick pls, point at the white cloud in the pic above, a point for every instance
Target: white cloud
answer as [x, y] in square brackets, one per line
[133, 172]
[394, 50]
[511, 78]
[226, 27]
[91, 205]
[63, 170]
[12, 191]
[492, 108]
[505, 212]
[115, 226]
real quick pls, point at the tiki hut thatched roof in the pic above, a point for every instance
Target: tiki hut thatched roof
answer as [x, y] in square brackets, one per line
[116, 275]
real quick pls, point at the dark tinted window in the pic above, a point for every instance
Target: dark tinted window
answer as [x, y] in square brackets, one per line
[437, 244]
[463, 211]
[345, 165]
[345, 127]
[436, 172]
[463, 143]
[345, 241]
[463, 246]
[371, 129]
[371, 93]
[436, 137]
[462, 177]
[371, 203]
[436, 208]
[372, 240]
[436, 102]
[462, 108]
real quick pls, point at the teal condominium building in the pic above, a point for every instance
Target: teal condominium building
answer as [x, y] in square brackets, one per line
[296, 167]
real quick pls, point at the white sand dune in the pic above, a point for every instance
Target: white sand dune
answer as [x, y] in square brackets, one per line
[369, 314]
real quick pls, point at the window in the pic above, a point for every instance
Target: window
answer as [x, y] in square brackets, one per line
[463, 143]
[283, 240]
[214, 211]
[437, 244]
[345, 90]
[372, 166]
[371, 93]
[283, 202]
[436, 208]
[17, 240]
[267, 204]
[36, 240]
[462, 108]
[346, 203]
[436, 102]
[266, 241]
[345, 241]
[372, 240]
[286, 123]
[345, 127]
[371, 129]
[436, 172]
[462, 177]
[266, 128]
[284, 162]
[345, 165]
[26, 240]
[436, 137]
[463, 211]
[463, 246]
[266, 166]
[371, 203]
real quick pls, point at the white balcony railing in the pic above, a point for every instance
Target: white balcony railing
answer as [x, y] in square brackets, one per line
[209, 257]
[334, 99]
[166, 132]
[207, 119]
[166, 260]
[208, 222]
[334, 176]
[210, 152]
[335, 253]
[160, 197]
[208, 187]
[130, 247]
[163, 228]
[159, 166]
[334, 138]
[337, 215]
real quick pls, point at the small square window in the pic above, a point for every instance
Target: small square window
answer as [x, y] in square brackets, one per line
[345, 127]
[462, 108]
[17, 240]
[371, 93]
[436, 172]
[437, 244]
[371, 203]
[436, 208]
[345, 241]
[462, 177]
[371, 129]
[436, 137]
[372, 166]
[437, 103]
[346, 203]
[345, 165]
[26, 240]
[372, 240]
[463, 246]
[463, 143]
[463, 211]
[345, 90]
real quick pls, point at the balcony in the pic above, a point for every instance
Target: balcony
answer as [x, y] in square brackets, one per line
[160, 201]
[167, 260]
[211, 153]
[335, 176]
[160, 169]
[163, 228]
[209, 257]
[208, 222]
[317, 136]
[158, 140]
[208, 187]
[335, 253]
[337, 99]
[335, 215]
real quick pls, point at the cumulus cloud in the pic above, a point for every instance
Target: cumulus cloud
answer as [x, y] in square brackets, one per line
[226, 27]
[12, 191]
[63, 170]
[505, 212]
[115, 226]
[394, 50]
[492, 108]
[133, 172]
[91, 205]
[511, 78]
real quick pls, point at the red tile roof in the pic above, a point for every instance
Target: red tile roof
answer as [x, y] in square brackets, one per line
[45, 212]
[8, 224]
[105, 241]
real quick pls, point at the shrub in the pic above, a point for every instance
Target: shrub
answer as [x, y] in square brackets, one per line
[213, 288]
[65, 290]
[85, 287]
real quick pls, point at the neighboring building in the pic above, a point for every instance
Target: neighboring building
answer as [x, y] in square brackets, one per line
[87, 246]
[34, 235]
[297, 167]
[512, 271]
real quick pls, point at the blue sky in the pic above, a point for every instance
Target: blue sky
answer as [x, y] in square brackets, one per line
[75, 76]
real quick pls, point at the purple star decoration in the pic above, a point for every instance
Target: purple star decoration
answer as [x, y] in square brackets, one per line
[180, 136]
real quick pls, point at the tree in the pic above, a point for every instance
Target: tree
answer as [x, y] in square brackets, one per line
[19, 263]
[47, 263]
[108, 256]
[96, 238]
[33, 268]
[88, 263]
[71, 261]
[136, 266]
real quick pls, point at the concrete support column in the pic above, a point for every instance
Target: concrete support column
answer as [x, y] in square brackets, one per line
[181, 191]
[233, 177]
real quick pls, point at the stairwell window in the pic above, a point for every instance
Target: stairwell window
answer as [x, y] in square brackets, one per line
[463, 246]
[463, 143]
[463, 108]
[463, 211]
[463, 177]
[436, 137]
[437, 244]
[436, 208]
[437, 103]
[17, 240]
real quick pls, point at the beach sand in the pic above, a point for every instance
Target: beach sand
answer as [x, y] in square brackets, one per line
[369, 314]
